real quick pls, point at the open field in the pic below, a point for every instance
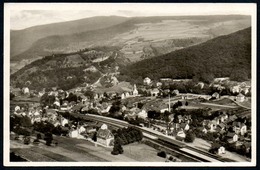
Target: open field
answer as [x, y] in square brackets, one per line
[79, 150]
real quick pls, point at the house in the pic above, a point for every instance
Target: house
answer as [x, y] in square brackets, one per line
[247, 147]
[184, 126]
[74, 133]
[50, 112]
[245, 89]
[180, 118]
[106, 110]
[235, 89]
[16, 91]
[180, 135]
[232, 137]
[223, 117]
[176, 126]
[236, 127]
[222, 126]
[25, 90]
[200, 85]
[158, 84]
[84, 99]
[105, 136]
[17, 108]
[142, 114]
[81, 129]
[232, 118]
[147, 81]
[154, 92]
[240, 97]
[135, 91]
[217, 148]
[215, 95]
[64, 121]
[212, 125]
[243, 129]
[203, 129]
[57, 103]
[216, 120]
[57, 123]
[123, 96]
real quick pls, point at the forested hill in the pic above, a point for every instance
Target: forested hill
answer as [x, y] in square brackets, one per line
[228, 55]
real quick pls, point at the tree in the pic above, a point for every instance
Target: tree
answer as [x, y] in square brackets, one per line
[186, 103]
[47, 100]
[207, 77]
[117, 147]
[89, 94]
[26, 121]
[12, 96]
[48, 138]
[72, 97]
[94, 138]
[190, 136]
[239, 75]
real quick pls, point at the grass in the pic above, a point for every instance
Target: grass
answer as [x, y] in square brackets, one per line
[142, 153]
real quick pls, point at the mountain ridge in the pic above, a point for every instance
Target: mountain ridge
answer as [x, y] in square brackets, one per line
[223, 56]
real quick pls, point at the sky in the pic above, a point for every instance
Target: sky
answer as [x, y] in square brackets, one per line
[28, 15]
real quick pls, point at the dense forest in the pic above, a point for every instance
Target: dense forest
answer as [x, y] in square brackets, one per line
[224, 56]
[66, 71]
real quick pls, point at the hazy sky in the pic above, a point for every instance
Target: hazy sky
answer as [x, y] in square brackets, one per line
[27, 15]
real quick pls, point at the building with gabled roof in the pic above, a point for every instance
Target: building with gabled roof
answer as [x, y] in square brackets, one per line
[105, 136]
[240, 97]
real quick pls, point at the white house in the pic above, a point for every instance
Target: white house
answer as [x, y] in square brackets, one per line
[176, 92]
[57, 103]
[204, 130]
[105, 136]
[235, 89]
[243, 129]
[147, 81]
[135, 92]
[221, 150]
[200, 84]
[240, 97]
[81, 129]
[180, 135]
[64, 121]
[232, 137]
[17, 108]
[74, 133]
[123, 96]
[215, 95]
[142, 114]
[154, 92]
[187, 127]
[25, 90]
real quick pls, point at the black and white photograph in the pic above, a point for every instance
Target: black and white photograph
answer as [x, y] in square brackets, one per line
[129, 84]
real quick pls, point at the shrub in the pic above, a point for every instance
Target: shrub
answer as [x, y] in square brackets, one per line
[27, 140]
[171, 158]
[162, 154]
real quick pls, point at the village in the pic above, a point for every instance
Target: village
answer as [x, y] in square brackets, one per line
[219, 113]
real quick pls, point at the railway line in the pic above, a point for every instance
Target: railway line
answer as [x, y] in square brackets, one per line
[168, 143]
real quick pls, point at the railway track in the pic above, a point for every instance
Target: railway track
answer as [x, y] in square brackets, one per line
[171, 144]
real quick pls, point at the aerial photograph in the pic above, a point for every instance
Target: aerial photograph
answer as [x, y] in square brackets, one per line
[167, 84]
